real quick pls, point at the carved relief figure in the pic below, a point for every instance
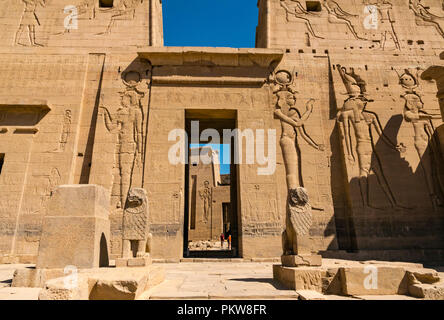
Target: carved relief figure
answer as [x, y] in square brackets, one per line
[292, 124]
[337, 15]
[135, 224]
[52, 181]
[295, 8]
[66, 130]
[386, 23]
[353, 112]
[423, 129]
[127, 123]
[125, 10]
[206, 195]
[424, 17]
[28, 21]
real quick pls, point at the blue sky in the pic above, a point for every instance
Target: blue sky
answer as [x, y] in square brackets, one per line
[210, 23]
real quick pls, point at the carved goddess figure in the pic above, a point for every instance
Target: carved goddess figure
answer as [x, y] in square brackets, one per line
[425, 17]
[29, 21]
[338, 16]
[299, 12]
[298, 217]
[423, 128]
[128, 125]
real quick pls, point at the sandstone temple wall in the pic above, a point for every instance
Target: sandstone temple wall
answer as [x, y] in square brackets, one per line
[86, 108]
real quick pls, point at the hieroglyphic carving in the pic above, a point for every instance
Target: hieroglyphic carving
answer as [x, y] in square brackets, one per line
[29, 20]
[292, 123]
[206, 194]
[337, 15]
[363, 121]
[295, 8]
[424, 129]
[424, 17]
[386, 22]
[128, 123]
[135, 223]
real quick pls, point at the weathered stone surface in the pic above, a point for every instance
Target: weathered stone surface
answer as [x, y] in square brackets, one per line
[301, 260]
[103, 284]
[76, 228]
[427, 291]
[373, 280]
[302, 278]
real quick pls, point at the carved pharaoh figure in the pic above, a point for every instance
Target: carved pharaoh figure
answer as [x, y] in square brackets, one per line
[292, 124]
[353, 111]
[295, 8]
[135, 224]
[29, 21]
[387, 23]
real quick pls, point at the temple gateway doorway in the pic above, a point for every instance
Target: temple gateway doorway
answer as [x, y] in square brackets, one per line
[211, 211]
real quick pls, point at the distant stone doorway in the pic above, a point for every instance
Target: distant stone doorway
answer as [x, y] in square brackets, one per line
[211, 189]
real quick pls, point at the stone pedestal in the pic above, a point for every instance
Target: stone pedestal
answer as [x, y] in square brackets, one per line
[301, 260]
[133, 262]
[76, 229]
[302, 278]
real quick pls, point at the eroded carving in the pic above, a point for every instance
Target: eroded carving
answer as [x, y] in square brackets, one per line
[353, 115]
[206, 195]
[127, 124]
[296, 9]
[386, 23]
[299, 220]
[424, 17]
[135, 224]
[124, 10]
[337, 15]
[424, 129]
[29, 21]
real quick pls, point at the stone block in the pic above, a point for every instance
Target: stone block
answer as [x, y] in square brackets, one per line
[76, 228]
[133, 262]
[373, 280]
[301, 260]
[427, 291]
[302, 278]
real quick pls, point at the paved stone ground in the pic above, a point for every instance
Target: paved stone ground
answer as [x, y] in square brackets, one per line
[219, 280]
[205, 280]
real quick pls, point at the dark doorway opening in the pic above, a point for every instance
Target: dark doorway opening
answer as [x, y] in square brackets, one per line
[103, 257]
[2, 161]
[211, 210]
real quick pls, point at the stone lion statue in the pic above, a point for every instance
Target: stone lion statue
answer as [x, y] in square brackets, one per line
[298, 219]
[135, 223]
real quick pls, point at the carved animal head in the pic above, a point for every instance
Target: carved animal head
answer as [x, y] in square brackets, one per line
[136, 197]
[298, 197]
